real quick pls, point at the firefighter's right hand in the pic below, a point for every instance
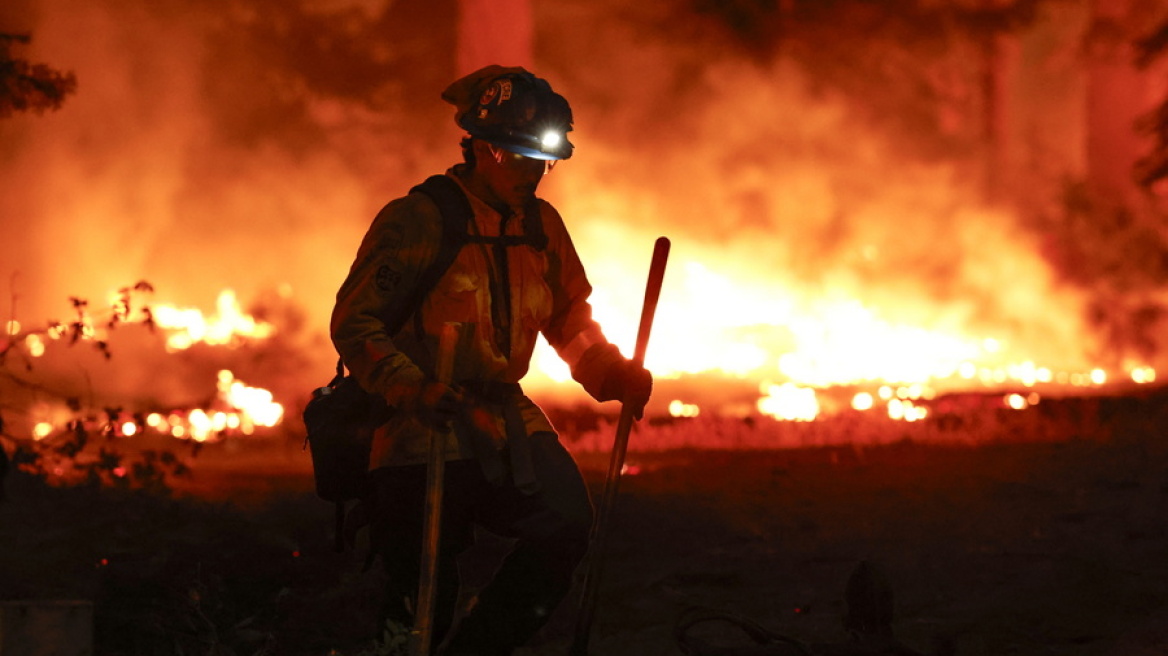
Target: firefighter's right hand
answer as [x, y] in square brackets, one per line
[434, 404]
[630, 383]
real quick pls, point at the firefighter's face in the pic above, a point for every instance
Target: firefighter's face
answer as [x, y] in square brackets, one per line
[512, 178]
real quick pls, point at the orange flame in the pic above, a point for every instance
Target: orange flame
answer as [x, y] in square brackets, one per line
[797, 343]
[239, 408]
[188, 326]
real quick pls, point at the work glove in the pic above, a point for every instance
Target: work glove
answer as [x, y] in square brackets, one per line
[434, 404]
[629, 382]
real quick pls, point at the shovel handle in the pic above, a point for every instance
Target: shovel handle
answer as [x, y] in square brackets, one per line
[616, 463]
[423, 633]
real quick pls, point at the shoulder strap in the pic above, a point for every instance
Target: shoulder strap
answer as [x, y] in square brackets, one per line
[456, 214]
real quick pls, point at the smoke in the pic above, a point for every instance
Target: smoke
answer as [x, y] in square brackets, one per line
[766, 176]
[210, 146]
[247, 144]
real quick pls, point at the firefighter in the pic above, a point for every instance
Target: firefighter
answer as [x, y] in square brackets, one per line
[516, 276]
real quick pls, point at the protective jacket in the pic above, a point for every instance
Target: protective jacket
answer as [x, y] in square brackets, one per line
[502, 295]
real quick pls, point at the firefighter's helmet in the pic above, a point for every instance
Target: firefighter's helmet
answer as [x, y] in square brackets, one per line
[514, 110]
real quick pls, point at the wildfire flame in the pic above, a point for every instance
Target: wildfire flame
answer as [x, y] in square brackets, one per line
[711, 323]
[188, 326]
[238, 408]
[796, 353]
[184, 327]
[806, 242]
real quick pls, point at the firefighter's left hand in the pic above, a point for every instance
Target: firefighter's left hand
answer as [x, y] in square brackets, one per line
[629, 382]
[443, 404]
[433, 403]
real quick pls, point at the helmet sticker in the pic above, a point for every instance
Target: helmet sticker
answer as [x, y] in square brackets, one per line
[498, 93]
[489, 94]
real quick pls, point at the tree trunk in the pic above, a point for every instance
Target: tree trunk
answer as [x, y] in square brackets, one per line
[494, 32]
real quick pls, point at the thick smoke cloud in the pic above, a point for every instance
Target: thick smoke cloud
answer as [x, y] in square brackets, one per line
[240, 145]
[875, 192]
[246, 144]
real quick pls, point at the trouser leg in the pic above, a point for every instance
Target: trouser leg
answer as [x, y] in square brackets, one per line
[397, 530]
[527, 588]
[551, 530]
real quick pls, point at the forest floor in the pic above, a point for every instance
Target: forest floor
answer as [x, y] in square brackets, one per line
[994, 547]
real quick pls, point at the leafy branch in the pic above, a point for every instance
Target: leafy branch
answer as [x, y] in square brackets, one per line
[61, 455]
[30, 87]
[83, 327]
[1153, 167]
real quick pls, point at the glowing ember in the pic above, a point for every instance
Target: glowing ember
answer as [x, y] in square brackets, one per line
[1143, 375]
[35, 345]
[679, 409]
[862, 401]
[905, 409]
[789, 401]
[1021, 402]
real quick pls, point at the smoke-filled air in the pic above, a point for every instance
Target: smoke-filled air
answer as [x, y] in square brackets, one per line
[849, 202]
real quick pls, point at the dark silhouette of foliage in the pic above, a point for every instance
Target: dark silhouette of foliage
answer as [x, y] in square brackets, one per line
[56, 458]
[891, 58]
[1153, 167]
[60, 455]
[30, 87]
[1118, 255]
[764, 26]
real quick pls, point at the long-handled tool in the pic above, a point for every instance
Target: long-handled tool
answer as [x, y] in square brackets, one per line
[617, 461]
[423, 634]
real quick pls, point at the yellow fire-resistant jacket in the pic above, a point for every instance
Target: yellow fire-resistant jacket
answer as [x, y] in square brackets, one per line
[549, 295]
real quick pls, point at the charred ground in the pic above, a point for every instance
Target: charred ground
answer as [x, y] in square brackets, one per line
[999, 547]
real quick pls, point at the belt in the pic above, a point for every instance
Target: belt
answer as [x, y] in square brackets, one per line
[504, 398]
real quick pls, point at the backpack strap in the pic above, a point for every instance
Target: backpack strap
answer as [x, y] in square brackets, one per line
[456, 215]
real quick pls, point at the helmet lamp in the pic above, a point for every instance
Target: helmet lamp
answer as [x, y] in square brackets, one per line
[550, 140]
